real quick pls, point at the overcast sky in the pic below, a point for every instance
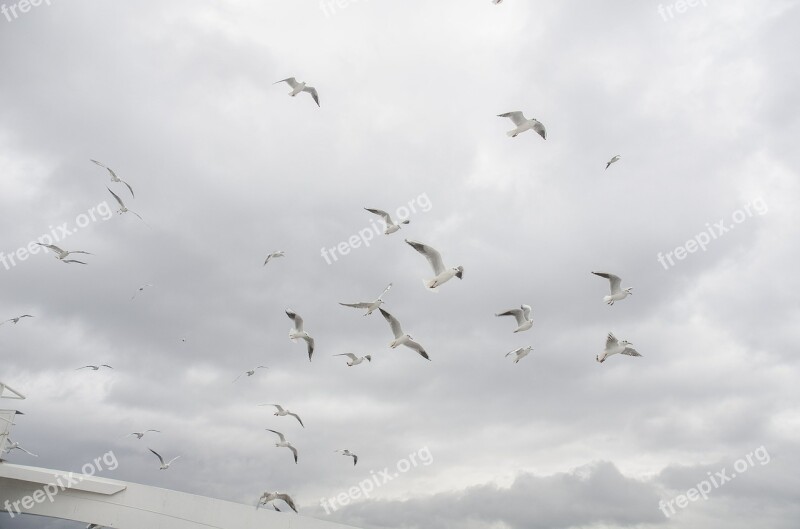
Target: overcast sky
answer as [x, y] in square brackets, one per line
[177, 97]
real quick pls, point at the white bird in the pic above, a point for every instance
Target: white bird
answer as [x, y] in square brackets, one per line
[614, 346]
[16, 446]
[114, 177]
[369, 305]
[348, 453]
[391, 225]
[435, 259]
[520, 353]
[95, 368]
[122, 207]
[140, 289]
[164, 466]
[281, 412]
[16, 320]
[297, 332]
[272, 496]
[250, 372]
[139, 435]
[523, 316]
[300, 87]
[401, 338]
[355, 360]
[273, 255]
[283, 443]
[617, 293]
[61, 254]
[523, 124]
[612, 160]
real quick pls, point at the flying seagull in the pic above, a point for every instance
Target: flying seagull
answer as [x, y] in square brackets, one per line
[122, 207]
[164, 466]
[281, 412]
[523, 124]
[61, 254]
[298, 333]
[95, 368]
[347, 452]
[391, 226]
[284, 444]
[435, 259]
[369, 305]
[139, 435]
[273, 255]
[250, 372]
[355, 360]
[520, 353]
[114, 177]
[272, 496]
[523, 316]
[401, 338]
[300, 87]
[614, 346]
[617, 293]
[16, 446]
[16, 320]
[612, 160]
[140, 289]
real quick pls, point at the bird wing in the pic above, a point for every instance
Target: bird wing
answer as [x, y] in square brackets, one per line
[288, 500]
[294, 451]
[383, 214]
[51, 247]
[614, 280]
[298, 321]
[411, 344]
[298, 419]
[313, 91]
[106, 365]
[277, 407]
[310, 341]
[356, 305]
[173, 460]
[630, 351]
[291, 81]
[280, 435]
[84, 367]
[393, 323]
[526, 311]
[119, 200]
[351, 356]
[538, 127]
[157, 431]
[72, 261]
[355, 459]
[611, 341]
[129, 187]
[385, 290]
[517, 117]
[161, 459]
[517, 313]
[432, 255]
[515, 351]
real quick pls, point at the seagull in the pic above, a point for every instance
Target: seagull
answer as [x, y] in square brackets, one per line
[523, 316]
[298, 332]
[281, 412]
[250, 372]
[391, 226]
[435, 259]
[95, 368]
[16, 320]
[369, 305]
[617, 293]
[140, 289]
[520, 353]
[400, 338]
[300, 87]
[16, 446]
[164, 466]
[614, 346]
[61, 254]
[279, 253]
[114, 177]
[612, 160]
[355, 360]
[347, 452]
[139, 435]
[94, 526]
[523, 124]
[122, 208]
[284, 444]
[272, 496]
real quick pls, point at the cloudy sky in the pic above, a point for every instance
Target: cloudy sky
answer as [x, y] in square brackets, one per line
[177, 97]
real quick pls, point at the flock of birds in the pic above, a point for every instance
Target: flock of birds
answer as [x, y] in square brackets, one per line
[441, 275]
